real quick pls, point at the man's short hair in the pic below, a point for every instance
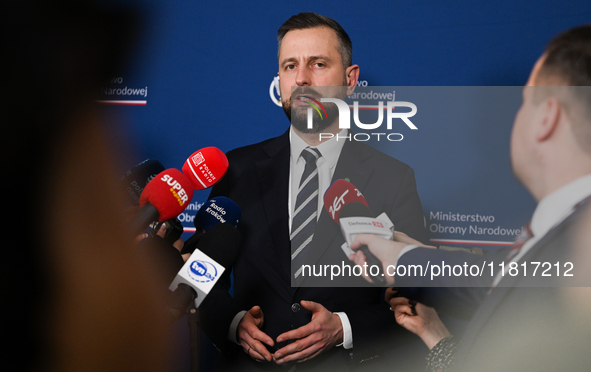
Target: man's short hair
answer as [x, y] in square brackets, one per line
[567, 61]
[304, 21]
[568, 56]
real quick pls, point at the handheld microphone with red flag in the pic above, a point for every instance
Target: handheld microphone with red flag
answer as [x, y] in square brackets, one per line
[346, 206]
[340, 194]
[163, 198]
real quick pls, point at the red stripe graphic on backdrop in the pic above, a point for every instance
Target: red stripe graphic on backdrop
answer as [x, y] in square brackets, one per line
[471, 242]
[132, 103]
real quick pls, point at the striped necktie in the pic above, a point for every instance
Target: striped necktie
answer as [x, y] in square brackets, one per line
[306, 210]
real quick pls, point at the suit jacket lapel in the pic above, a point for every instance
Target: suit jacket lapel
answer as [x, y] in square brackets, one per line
[273, 179]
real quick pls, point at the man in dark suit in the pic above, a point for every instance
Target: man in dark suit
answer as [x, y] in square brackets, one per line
[269, 322]
[525, 328]
[525, 322]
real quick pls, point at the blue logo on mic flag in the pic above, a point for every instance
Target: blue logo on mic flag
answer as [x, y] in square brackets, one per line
[202, 271]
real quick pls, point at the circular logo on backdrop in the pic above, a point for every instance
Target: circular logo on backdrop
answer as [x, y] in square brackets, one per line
[274, 91]
[202, 271]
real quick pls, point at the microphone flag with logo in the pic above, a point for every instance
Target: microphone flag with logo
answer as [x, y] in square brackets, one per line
[163, 198]
[205, 167]
[347, 207]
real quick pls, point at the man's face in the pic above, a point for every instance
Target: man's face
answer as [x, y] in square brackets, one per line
[309, 58]
[523, 135]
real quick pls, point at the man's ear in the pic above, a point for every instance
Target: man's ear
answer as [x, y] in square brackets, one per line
[551, 112]
[352, 75]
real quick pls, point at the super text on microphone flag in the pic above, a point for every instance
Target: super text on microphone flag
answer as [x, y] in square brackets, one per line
[170, 192]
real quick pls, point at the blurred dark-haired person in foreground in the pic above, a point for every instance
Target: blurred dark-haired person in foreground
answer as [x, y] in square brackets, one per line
[530, 322]
[76, 296]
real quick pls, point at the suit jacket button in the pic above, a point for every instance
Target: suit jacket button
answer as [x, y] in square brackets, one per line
[295, 307]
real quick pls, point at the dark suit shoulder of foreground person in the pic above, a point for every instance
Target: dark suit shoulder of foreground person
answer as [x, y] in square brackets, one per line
[547, 339]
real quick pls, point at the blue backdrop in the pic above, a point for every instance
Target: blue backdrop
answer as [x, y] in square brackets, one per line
[206, 68]
[202, 71]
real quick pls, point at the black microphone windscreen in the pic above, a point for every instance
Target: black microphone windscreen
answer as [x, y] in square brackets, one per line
[138, 177]
[356, 209]
[222, 244]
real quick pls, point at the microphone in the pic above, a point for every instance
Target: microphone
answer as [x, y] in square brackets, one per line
[138, 177]
[339, 194]
[218, 250]
[163, 198]
[205, 167]
[347, 207]
[213, 212]
[356, 218]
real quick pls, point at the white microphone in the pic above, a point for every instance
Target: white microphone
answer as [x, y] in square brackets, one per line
[359, 224]
[217, 251]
